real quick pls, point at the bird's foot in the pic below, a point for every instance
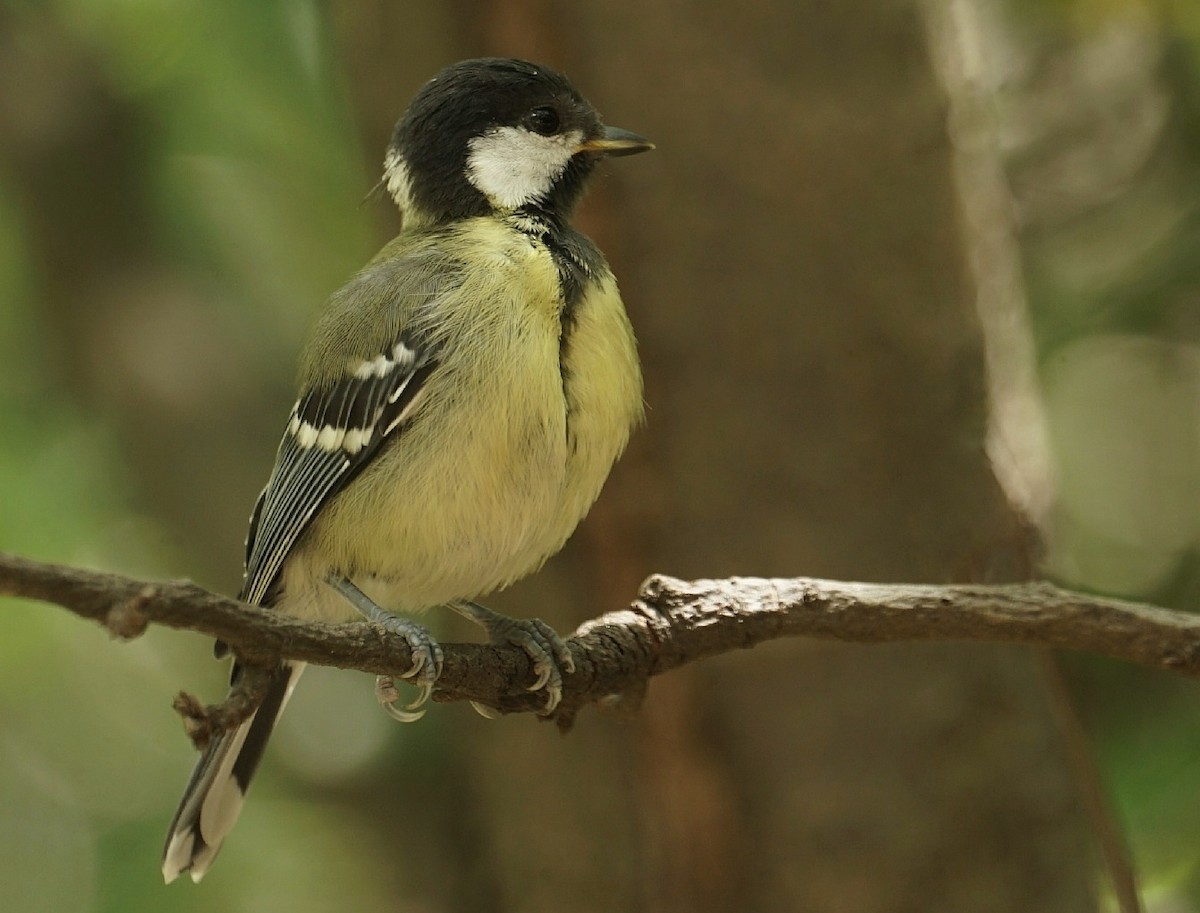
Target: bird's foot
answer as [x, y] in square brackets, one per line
[425, 670]
[427, 656]
[549, 652]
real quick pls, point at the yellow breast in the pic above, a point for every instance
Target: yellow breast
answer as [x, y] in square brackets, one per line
[509, 447]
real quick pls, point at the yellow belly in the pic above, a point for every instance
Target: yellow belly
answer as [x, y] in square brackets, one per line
[500, 461]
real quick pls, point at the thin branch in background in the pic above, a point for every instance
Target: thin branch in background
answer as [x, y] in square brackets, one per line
[1114, 848]
[965, 50]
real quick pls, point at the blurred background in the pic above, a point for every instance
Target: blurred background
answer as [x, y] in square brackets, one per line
[861, 217]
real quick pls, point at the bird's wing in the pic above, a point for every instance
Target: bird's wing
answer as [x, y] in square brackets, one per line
[334, 431]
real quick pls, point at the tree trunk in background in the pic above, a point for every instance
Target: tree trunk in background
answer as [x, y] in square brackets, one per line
[792, 261]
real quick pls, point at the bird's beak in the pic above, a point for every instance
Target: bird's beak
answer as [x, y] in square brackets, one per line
[615, 141]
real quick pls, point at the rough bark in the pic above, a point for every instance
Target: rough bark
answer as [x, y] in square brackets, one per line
[670, 624]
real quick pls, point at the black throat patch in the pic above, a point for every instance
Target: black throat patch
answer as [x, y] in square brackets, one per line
[580, 266]
[579, 262]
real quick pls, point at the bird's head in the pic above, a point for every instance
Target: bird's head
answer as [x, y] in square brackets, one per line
[496, 135]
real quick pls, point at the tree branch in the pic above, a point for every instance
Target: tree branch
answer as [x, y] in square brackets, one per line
[671, 623]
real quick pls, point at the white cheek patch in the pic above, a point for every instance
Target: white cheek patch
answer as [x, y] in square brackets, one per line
[512, 166]
[395, 176]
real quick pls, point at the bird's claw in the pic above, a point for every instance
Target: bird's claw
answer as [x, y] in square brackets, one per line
[388, 696]
[488, 713]
[549, 652]
[427, 662]
[427, 658]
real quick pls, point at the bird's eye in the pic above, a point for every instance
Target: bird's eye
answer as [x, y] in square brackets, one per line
[542, 120]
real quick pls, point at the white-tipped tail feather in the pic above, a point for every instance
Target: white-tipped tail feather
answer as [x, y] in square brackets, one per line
[214, 795]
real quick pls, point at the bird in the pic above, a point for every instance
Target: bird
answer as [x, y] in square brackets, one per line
[461, 401]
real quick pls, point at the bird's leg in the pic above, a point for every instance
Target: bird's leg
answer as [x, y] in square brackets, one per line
[426, 653]
[549, 652]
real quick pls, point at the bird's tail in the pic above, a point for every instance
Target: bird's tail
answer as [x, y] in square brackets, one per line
[214, 795]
